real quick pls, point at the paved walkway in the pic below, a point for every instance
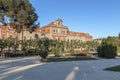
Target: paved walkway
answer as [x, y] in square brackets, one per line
[30, 68]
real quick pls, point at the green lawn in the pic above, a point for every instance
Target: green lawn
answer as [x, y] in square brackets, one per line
[59, 59]
[115, 68]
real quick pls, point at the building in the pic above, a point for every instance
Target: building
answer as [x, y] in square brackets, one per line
[55, 31]
[6, 31]
[26, 34]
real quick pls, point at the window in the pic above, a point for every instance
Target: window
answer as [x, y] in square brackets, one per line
[53, 31]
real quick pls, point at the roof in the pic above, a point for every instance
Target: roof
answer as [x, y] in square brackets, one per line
[54, 24]
[59, 20]
[51, 24]
[37, 29]
[5, 27]
[46, 30]
[79, 34]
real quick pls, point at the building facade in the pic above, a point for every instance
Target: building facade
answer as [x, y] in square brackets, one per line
[6, 31]
[55, 31]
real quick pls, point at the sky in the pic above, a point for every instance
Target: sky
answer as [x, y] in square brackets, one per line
[99, 18]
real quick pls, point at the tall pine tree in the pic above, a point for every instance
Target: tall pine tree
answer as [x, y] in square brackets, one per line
[20, 12]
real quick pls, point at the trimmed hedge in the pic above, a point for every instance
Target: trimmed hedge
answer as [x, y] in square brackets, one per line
[13, 55]
[107, 51]
[43, 54]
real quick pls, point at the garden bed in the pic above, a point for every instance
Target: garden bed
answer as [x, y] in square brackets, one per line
[70, 58]
[115, 68]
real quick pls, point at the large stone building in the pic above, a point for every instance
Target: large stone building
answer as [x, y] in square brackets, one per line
[29, 35]
[6, 31]
[55, 31]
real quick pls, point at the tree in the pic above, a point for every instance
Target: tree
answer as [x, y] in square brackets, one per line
[10, 43]
[3, 44]
[108, 48]
[92, 45]
[44, 47]
[20, 13]
[3, 11]
[119, 36]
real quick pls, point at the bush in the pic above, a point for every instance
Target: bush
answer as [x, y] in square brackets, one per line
[2, 54]
[72, 51]
[79, 54]
[43, 54]
[13, 55]
[107, 51]
[56, 52]
[30, 52]
[108, 48]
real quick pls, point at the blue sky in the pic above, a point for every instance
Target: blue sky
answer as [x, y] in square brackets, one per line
[99, 18]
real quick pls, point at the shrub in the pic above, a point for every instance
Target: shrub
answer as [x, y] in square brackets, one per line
[30, 52]
[2, 54]
[107, 51]
[56, 52]
[78, 54]
[72, 51]
[13, 55]
[43, 54]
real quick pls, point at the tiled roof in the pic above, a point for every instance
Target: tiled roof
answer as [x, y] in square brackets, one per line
[46, 30]
[53, 24]
[25, 28]
[79, 34]
[37, 29]
[50, 24]
[4, 27]
[59, 20]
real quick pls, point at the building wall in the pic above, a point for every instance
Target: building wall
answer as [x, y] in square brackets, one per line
[55, 30]
[60, 32]
[27, 35]
[6, 31]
